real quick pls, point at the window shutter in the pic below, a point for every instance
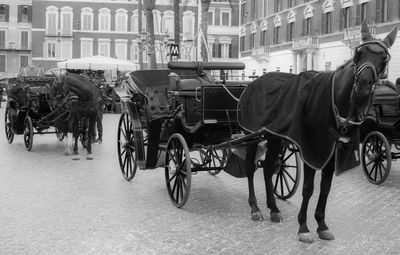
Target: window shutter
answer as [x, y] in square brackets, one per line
[304, 27]
[19, 13]
[358, 15]
[341, 19]
[287, 32]
[230, 51]
[30, 14]
[323, 21]
[7, 12]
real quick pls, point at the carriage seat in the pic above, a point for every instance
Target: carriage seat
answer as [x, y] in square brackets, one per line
[386, 94]
[386, 99]
[178, 84]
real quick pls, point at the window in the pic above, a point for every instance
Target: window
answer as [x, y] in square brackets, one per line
[135, 52]
[157, 21]
[327, 23]
[104, 19]
[135, 22]
[24, 39]
[104, 47]
[226, 50]
[307, 30]
[291, 3]
[66, 49]
[211, 17]
[87, 19]
[51, 49]
[4, 12]
[263, 38]
[381, 11]
[86, 47]
[66, 21]
[346, 17]
[121, 49]
[242, 43]
[168, 22]
[23, 13]
[290, 31]
[121, 20]
[2, 63]
[188, 22]
[277, 5]
[253, 12]
[364, 11]
[23, 61]
[216, 50]
[277, 35]
[243, 13]
[252, 40]
[226, 18]
[2, 39]
[51, 20]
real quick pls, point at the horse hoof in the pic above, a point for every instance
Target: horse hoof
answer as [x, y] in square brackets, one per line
[276, 217]
[306, 237]
[257, 216]
[75, 157]
[326, 235]
[89, 157]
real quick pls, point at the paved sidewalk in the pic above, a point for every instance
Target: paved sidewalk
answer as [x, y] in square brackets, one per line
[50, 204]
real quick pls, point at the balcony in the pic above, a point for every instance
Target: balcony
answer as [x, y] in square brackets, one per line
[12, 46]
[352, 35]
[304, 43]
[261, 53]
[66, 32]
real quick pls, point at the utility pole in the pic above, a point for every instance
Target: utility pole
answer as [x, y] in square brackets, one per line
[140, 8]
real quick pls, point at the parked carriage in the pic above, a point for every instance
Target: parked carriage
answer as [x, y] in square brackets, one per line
[185, 121]
[380, 133]
[31, 106]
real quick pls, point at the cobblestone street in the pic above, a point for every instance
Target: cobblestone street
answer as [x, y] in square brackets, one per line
[50, 204]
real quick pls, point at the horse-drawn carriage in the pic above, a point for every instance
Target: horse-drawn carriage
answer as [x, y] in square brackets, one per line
[186, 121]
[34, 105]
[379, 132]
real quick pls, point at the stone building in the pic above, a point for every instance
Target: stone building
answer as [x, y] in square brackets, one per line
[15, 36]
[298, 35]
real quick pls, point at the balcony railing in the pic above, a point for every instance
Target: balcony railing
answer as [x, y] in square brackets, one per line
[66, 32]
[15, 46]
[353, 34]
[305, 43]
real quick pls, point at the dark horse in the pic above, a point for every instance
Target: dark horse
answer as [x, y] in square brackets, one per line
[319, 112]
[78, 100]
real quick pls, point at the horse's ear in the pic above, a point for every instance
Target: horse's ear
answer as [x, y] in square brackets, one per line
[365, 34]
[391, 37]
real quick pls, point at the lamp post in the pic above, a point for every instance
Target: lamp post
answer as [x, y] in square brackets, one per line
[166, 40]
[141, 39]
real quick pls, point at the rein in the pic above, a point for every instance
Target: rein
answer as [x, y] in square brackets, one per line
[343, 122]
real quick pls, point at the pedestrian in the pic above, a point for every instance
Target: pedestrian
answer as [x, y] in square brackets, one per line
[99, 81]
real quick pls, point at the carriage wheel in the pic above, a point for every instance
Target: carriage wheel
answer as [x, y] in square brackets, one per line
[376, 157]
[287, 177]
[28, 133]
[59, 134]
[8, 126]
[218, 159]
[128, 138]
[178, 171]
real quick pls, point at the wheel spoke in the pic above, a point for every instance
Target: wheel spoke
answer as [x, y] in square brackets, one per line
[289, 175]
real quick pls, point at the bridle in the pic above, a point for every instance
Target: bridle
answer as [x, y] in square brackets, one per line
[342, 121]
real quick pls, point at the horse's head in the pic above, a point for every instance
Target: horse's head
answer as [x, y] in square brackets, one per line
[370, 60]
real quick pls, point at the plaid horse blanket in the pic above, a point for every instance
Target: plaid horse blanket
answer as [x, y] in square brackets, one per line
[299, 108]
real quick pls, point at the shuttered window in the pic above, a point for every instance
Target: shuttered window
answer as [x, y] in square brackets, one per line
[23, 61]
[24, 39]
[2, 39]
[2, 63]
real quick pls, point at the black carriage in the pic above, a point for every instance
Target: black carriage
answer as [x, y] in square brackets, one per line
[380, 132]
[31, 106]
[184, 120]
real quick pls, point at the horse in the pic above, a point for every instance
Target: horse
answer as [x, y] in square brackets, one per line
[321, 118]
[78, 100]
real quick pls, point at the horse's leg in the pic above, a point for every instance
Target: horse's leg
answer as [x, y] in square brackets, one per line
[67, 148]
[250, 169]
[308, 189]
[325, 187]
[75, 132]
[91, 121]
[269, 166]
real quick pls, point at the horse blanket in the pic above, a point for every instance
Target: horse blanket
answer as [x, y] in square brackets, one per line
[299, 108]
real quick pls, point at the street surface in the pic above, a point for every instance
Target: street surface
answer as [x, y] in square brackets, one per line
[50, 204]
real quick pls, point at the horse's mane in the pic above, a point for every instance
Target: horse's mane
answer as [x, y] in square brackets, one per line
[342, 66]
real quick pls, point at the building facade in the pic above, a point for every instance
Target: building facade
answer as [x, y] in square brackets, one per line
[15, 36]
[76, 28]
[297, 35]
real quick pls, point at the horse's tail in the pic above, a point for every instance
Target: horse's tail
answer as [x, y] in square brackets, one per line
[80, 86]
